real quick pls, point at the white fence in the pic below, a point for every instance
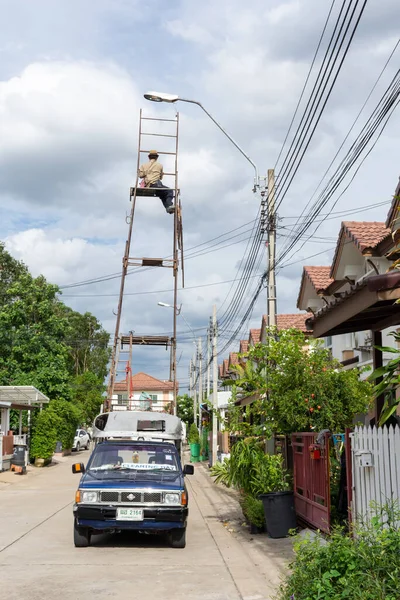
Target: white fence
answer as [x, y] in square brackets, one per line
[376, 469]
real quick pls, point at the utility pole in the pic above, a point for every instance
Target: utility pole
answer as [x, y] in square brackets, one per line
[191, 379]
[215, 387]
[200, 380]
[271, 249]
[194, 369]
[209, 359]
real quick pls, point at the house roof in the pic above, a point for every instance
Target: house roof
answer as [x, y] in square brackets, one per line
[297, 320]
[394, 208]
[365, 235]
[233, 359]
[220, 371]
[143, 382]
[225, 367]
[255, 336]
[319, 277]
[290, 321]
[244, 346]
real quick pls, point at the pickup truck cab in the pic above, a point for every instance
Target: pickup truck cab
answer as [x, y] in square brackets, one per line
[132, 485]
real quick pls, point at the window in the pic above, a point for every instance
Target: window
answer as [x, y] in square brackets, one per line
[121, 400]
[328, 341]
[153, 397]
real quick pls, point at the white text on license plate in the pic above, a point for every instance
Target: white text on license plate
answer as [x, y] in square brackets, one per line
[129, 514]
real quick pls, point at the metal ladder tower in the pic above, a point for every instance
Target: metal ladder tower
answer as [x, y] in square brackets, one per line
[124, 343]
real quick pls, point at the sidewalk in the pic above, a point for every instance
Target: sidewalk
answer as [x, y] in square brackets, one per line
[257, 563]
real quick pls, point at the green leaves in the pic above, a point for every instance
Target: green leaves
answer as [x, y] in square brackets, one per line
[390, 381]
[299, 386]
[363, 567]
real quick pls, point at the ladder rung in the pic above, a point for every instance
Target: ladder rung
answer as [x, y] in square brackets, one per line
[149, 192]
[158, 134]
[150, 262]
[147, 152]
[153, 119]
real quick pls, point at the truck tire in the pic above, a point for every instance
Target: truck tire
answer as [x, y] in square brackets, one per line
[81, 536]
[177, 538]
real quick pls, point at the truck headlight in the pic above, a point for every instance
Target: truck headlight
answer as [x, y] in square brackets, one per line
[88, 497]
[171, 498]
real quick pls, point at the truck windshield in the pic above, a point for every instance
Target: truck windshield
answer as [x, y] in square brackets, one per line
[136, 457]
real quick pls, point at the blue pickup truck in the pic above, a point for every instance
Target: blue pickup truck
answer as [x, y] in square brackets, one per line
[132, 485]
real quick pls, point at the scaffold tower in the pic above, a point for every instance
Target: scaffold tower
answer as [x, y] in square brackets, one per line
[122, 349]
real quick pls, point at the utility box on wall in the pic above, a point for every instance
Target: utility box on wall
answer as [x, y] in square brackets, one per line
[364, 458]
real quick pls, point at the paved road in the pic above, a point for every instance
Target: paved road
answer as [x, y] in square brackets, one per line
[38, 560]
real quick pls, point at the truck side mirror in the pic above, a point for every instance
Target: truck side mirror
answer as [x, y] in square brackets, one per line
[78, 468]
[188, 470]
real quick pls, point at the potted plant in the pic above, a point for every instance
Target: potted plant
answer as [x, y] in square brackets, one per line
[272, 482]
[194, 443]
[253, 510]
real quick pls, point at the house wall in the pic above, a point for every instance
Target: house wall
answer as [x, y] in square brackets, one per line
[121, 401]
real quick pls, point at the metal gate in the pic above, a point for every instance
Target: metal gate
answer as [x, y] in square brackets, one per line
[311, 481]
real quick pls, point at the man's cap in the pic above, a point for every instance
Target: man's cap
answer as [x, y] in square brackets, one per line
[153, 153]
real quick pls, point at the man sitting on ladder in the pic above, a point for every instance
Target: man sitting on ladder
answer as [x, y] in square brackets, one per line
[152, 173]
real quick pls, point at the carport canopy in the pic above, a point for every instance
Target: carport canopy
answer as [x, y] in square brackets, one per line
[21, 397]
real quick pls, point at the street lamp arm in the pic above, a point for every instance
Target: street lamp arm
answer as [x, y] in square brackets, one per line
[181, 314]
[225, 133]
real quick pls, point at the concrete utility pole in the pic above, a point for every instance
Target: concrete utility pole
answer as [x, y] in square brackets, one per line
[200, 351]
[215, 387]
[271, 250]
[194, 369]
[191, 379]
[209, 359]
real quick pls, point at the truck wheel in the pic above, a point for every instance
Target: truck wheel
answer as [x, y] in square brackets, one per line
[81, 536]
[177, 538]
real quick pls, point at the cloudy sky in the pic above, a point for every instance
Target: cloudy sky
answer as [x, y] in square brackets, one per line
[72, 78]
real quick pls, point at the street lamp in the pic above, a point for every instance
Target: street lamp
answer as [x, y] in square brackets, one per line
[171, 98]
[178, 312]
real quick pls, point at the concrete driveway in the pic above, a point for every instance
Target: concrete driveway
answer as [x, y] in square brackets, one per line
[38, 559]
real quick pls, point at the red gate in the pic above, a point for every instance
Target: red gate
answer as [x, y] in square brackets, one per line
[311, 480]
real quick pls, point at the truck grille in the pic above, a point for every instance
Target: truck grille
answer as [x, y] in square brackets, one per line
[153, 497]
[130, 497]
[109, 496]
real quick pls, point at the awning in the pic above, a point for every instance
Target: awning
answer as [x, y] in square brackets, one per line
[22, 397]
[369, 305]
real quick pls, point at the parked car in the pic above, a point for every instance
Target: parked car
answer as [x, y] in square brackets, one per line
[81, 440]
[132, 485]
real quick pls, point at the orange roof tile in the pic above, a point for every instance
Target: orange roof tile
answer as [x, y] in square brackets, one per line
[244, 346]
[233, 359]
[255, 336]
[143, 382]
[297, 320]
[288, 321]
[364, 235]
[319, 277]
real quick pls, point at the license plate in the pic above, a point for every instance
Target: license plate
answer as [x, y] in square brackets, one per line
[129, 514]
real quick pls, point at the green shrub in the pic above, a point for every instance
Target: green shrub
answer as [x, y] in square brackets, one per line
[254, 472]
[365, 567]
[253, 510]
[193, 437]
[56, 423]
[221, 472]
[70, 416]
[44, 436]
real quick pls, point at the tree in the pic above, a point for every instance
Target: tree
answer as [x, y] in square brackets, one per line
[304, 388]
[87, 342]
[87, 390]
[32, 334]
[184, 408]
[387, 380]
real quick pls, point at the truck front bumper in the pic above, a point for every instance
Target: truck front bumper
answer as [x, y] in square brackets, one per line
[103, 518]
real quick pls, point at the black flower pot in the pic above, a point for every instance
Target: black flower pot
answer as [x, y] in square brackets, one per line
[280, 516]
[254, 529]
